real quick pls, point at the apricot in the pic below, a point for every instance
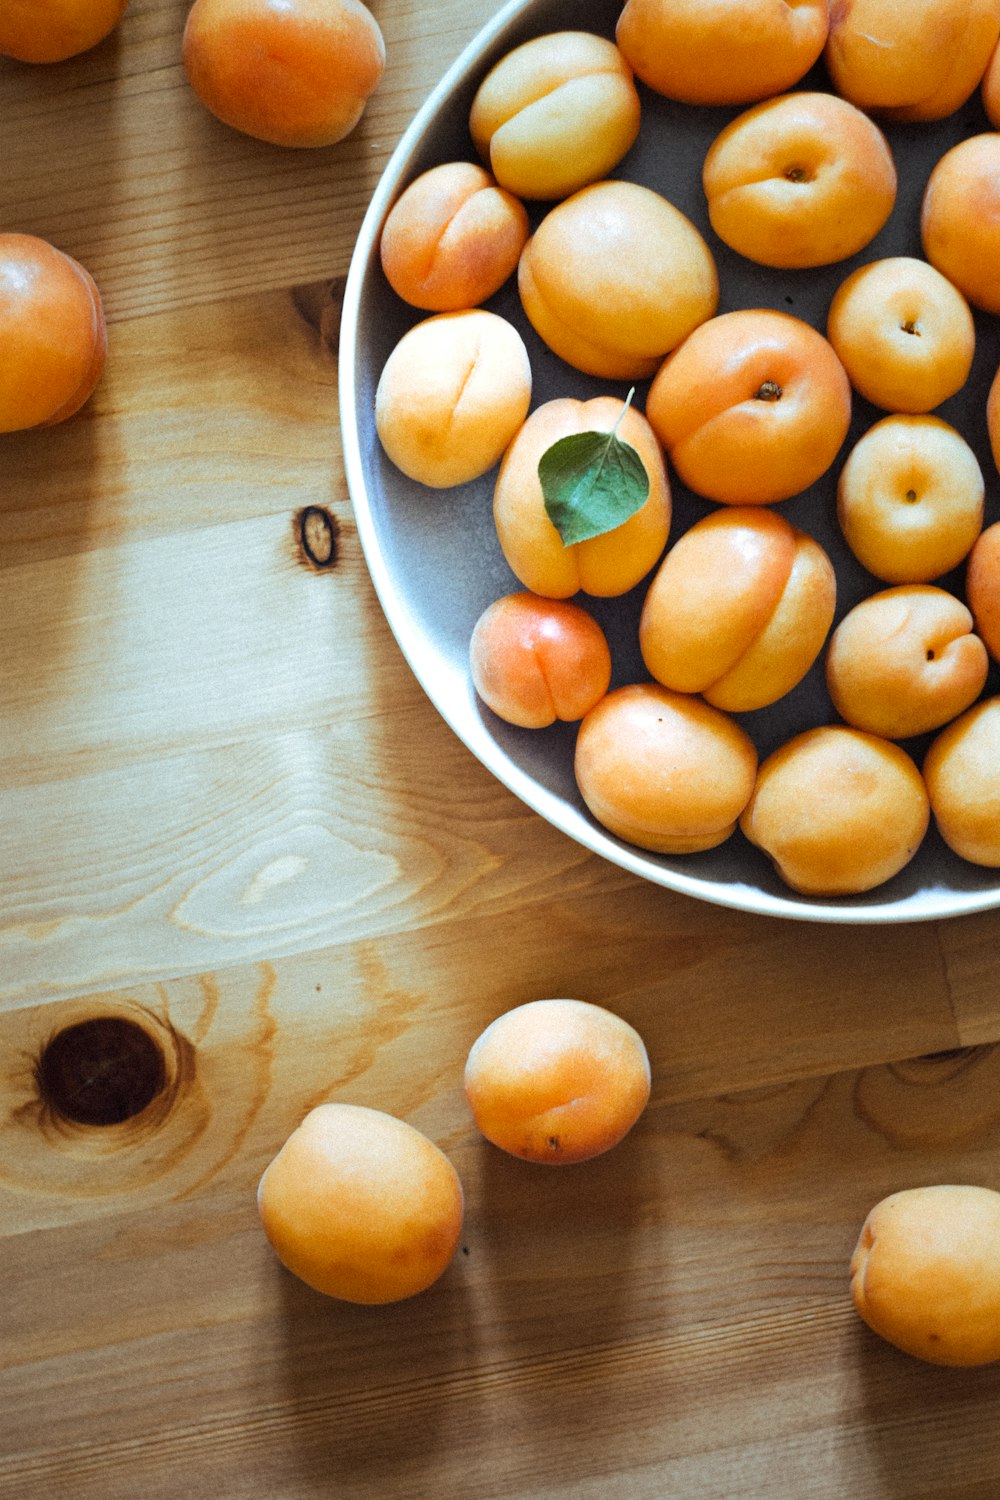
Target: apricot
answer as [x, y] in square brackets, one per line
[962, 772]
[722, 51]
[557, 1081]
[925, 1273]
[802, 180]
[905, 661]
[990, 89]
[920, 61]
[837, 810]
[52, 333]
[960, 218]
[48, 31]
[993, 417]
[739, 609]
[904, 334]
[910, 499]
[614, 277]
[452, 239]
[452, 394]
[752, 408]
[982, 587]
[538, 660]
[555, 114]
[290, 72]
[663, 770]
[605, 565]
[361, 1206]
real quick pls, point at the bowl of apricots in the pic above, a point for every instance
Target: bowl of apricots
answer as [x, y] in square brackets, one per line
[671, 416]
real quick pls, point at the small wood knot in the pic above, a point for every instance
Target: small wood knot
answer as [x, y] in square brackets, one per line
[101, 1072]
[318, 536]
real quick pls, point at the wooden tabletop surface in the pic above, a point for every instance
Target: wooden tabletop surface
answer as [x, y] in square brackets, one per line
[230, 813]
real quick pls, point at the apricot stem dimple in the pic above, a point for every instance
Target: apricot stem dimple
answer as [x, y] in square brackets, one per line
[910, 326]
[910, 497]
[797, 174]
[769, 391]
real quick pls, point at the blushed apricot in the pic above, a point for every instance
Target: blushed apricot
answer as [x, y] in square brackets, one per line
[905, 661]
[452, 394]
[664, 770]
[722, 51]
[962, 772]
[920, 61]
[555, 114]
[982, 587]
[605, 565]
[903, 333]
[960, 218]
[557, 1081]
[739, 609]
[838, 811]
[614, 277]
[536, 660]
[925, 1273]
[48, 31]
[993, 418]
[52, 333]
[361, 1206]
[452, 239]
[910, 499]
[291, 72]
[752, 408]
[802, 180]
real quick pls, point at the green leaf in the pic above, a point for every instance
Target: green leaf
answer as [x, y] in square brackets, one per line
[591, 483]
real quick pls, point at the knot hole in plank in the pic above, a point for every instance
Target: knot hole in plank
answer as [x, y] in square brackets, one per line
[316, 530]
[111, 1070]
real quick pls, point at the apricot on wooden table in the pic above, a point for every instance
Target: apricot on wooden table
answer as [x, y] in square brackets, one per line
[537, 660]
[739, 609]
[606, 565]
[802, 180]
[910, 499]
[752, 408]
[361, 1206]
[982, 587]
[452, 394]
[557, 1081]
[614, 277]
[838, 811]
[452, 238]
[904, 334]
[962, 772]
[918, 61]
[925, 1273]
[52, 333]
[48, 31]
[960, 218]
[905, 661]
[722, 51]
[665, 771]
[556, 113]
[290, 72]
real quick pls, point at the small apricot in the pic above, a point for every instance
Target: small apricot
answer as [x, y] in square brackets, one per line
[537, 660]
[799, 181]
[925, 1273]
[49, 31]
[361, 1206]
[557, 1081]
[555, 114]
[722, 51]
[752, 408]
[982, 587]
[452, 239]
[993, 418]
[960, 218]
[290, 72]
[451, 396]
[52, 333]
[904, 334]
[962, 772]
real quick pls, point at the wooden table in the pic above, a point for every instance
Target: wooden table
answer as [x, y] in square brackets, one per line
[230, 814]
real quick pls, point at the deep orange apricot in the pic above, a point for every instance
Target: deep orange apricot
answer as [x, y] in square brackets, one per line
[537, 660]
[52, 333]
[557, 1081]
[982, 587]
[960, 218]
[291, 72]
[361, 1206]
[48, 31]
